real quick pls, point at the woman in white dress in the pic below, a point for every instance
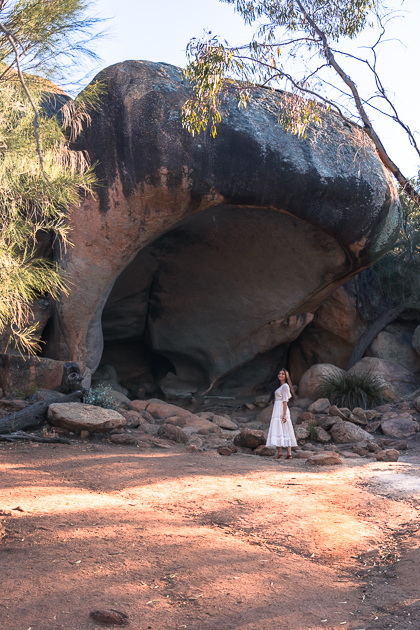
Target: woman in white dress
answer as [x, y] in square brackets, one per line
[281, 433]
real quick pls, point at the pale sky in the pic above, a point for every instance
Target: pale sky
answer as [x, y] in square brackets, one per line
[159, 30]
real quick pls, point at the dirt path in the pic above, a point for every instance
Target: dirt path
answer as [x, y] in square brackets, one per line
[205, 542]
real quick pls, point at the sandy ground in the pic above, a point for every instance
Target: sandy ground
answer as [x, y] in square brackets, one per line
[200, 541]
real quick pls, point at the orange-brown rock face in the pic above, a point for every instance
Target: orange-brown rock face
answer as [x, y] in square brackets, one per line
[212, 254]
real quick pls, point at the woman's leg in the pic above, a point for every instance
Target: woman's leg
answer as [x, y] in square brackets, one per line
[279, 453]
[289, 452]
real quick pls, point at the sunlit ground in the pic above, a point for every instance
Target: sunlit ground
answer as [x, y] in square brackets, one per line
[178, 540]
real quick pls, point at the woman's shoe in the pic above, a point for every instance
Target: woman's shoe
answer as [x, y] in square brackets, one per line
[289, 457]
[278, 456]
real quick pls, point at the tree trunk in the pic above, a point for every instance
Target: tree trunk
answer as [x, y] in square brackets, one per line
[21, 435]
[369, 335]
[72, 378]
[34, 415]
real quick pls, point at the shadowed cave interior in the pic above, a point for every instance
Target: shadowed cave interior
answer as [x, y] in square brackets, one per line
[207, 300]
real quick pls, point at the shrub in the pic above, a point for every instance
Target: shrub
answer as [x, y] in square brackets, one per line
[313, 430]
[354, 390]
[101, 396]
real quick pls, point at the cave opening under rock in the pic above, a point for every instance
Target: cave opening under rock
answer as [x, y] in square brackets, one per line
[217, 300]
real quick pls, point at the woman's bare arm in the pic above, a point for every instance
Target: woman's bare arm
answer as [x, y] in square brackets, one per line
[284, 410]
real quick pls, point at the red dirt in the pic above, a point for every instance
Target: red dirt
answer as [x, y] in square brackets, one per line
[204, 542]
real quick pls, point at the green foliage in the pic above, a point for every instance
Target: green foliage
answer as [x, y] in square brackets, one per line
[398, 272]
[217, 70]
[313, 430]
[352, 390]
[39, 179]
[101, 396]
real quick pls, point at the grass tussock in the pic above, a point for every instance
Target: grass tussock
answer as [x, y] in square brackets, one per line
[354, 390]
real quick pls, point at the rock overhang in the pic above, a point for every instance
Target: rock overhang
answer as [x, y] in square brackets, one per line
[329, 194]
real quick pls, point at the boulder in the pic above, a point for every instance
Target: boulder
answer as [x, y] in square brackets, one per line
[326, 458]
[321, 405]
[303, 403]
[340, 413]
[174, 387]
[301, 432]
[172, 432]
[135, 418]
[294, 414]
[81, 417]
[360, 414]
[305, 418]
[123, 439]
[162, 411]
[21, 374]
[224, 423]
[158, 234]
[323, 436]
[396, 347]
[399, 381]
[417, 403]
[265, 451]
[390, 455]
[262, 401]
[400, 426]
[178, 421]
[265, 415]
[138, 405]
[343, 432]
[416, 340]
[312, 380]
[224, 450]
[331, 336]
[249, 438]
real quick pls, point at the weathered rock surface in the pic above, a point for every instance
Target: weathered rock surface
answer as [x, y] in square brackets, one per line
[324, 459]
[265, 451]
[330, 337]
[265, 415]
[390, 455]
[343, 432]
[20, 373]
[400, 426]
[321, 405]
[224, 423]
[172, 432]
[81, 417]
[399, 381]
[301, 432]
[159, 234]
[323, 436]
[312, 379]
[396, 347]
[173, 387]
[249, 438]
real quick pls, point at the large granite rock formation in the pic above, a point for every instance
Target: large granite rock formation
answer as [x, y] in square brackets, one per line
[210, 255]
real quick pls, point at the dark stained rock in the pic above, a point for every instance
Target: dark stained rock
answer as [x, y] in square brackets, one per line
[249, 438]
[306, 416]
[181, 215]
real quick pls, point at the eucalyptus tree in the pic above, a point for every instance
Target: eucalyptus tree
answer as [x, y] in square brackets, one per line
[298, 45]
[40, 176]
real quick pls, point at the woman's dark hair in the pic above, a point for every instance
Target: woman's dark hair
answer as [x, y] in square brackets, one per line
[277, 384]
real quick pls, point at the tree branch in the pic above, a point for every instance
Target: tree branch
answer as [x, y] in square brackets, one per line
[383, 155]
[13, 41]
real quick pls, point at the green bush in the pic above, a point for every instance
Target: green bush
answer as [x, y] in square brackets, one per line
[101, 396]
[313, 430]
[353, 390]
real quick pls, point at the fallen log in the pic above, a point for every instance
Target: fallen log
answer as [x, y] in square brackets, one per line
[21, 435]
[34, 415]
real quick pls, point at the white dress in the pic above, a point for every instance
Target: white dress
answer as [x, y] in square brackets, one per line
[281, 433]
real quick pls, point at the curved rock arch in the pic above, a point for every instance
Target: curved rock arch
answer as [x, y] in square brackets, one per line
[331, 187]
